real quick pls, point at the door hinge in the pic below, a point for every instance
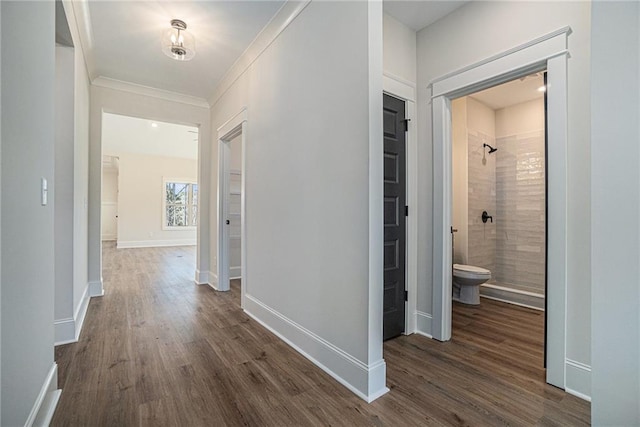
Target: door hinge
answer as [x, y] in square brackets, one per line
[406, 124]
[406, 295]
[406, 211]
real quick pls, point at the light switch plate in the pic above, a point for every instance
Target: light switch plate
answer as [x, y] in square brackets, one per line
[44, 191]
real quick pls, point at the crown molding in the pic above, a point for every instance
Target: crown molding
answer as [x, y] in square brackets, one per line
[280, 21]
[77, 12]
[153, 92]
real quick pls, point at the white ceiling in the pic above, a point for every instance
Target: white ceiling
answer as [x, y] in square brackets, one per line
[418, 14]
[125, 39]
[123, 134]
[511, 93]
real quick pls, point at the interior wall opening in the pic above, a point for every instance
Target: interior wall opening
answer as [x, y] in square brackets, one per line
[499, 218]
[149, 185]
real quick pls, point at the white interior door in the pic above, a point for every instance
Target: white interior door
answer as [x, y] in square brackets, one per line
[235, 205]
[235, 263]
[109, 211]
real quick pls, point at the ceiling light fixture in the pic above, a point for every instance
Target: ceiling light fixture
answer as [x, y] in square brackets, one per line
[177, 43]
[154, 125]
[542, 88]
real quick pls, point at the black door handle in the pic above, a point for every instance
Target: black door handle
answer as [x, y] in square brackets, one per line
[228, 222]
[486, 216]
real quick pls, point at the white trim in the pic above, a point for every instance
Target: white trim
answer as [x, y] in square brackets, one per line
[202, 277]
[550, 52]
[130, 244]
[213, 281]
[109, 237]
[423, 324]
[343, 367]
[399, 87]
[235, 272]
[47, 400]
[280, 21]
[512, 296]
[79, 22]
[149, 91]
[235, 126]
[96, 288]
[578, 379]
[406, 91]
[504, 66]
[67, 331]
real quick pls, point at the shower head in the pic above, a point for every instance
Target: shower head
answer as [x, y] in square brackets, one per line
[491, 149]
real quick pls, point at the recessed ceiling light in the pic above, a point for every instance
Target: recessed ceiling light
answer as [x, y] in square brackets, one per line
[542, 88]
[154, 125]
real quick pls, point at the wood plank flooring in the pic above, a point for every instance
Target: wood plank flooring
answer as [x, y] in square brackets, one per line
[159, 350]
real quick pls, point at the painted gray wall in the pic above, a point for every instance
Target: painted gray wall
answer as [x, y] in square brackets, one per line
[308, 99]
[615, 187]
[28, 62]
[477, 31]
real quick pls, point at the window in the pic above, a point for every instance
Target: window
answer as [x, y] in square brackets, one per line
[180, 204]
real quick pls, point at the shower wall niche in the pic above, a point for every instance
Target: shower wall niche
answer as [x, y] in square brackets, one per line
[510, 185]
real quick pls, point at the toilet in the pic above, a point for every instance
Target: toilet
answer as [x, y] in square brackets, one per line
[466, 283]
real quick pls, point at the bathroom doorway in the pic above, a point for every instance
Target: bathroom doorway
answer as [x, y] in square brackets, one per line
[499, 217]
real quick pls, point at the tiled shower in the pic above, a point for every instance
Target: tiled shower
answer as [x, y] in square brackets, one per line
[510, 185]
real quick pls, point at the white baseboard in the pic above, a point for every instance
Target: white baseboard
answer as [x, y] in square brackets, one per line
[213, 280]
[109, 237]
[67, 331]
[202, 277]
[366, 381]
[578, 379]
[235, 272]
[512, 296]
[47, 400]
[423, 324]
[131, 244]
[96, 288]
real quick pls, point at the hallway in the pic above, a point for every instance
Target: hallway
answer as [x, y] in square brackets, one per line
[159, 350]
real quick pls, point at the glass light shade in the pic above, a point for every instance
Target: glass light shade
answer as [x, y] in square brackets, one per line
[178, 44]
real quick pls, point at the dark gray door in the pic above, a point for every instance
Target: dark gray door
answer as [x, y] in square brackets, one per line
[394, 216]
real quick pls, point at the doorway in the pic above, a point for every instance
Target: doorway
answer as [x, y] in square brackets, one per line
[395, 211]
[499, 218]
[109, 202]
[231, 242]
[150, 188]
[547, 52]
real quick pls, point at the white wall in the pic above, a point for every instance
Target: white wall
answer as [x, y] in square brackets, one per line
[520, 118]
[615, 205]
[161, 106]
[480, 30]
[80, 177]
[27, 98]
[63, 185]
[72, 159]
[140, 195]
[399, 49]
[314, 104]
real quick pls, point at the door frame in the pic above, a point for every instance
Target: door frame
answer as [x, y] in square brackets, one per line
[548, 52]
[406, 91]
[232, 128]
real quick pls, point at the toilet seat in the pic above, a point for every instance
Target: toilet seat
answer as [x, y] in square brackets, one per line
[470, 272]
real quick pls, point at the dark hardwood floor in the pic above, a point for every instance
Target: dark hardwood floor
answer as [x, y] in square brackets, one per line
[159, 350]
